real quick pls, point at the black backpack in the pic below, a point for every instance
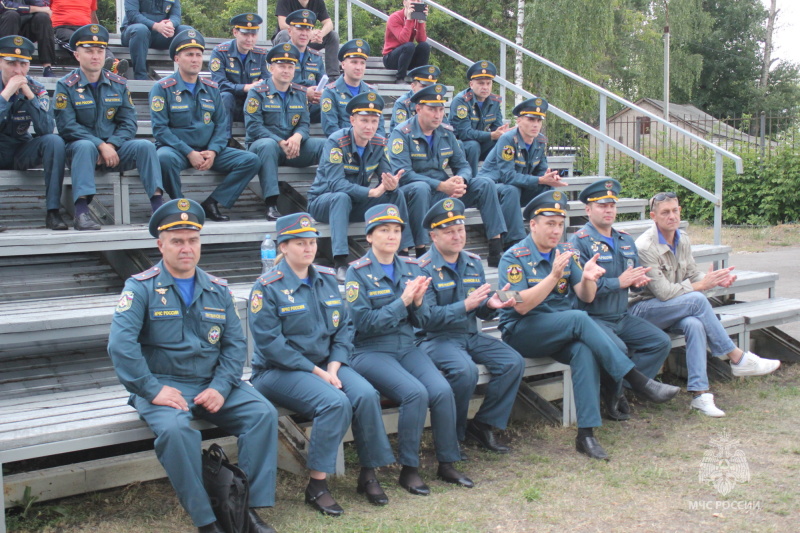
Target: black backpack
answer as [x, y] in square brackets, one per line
[228, 490]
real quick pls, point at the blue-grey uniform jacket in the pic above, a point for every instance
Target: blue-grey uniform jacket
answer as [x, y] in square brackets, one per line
[523, 267]
[341, 169]
[104, 114]
[188, 122]
[511, 162]
[382, 322]
[610, 302]
[472, 122]
[310, 69]
[229, 72]
[268, 115]
[334, 102]
[298, 325]
[409, 150]
[148, 12]
[402, 110]
[448, 290]
[17, 115]
[155, 335]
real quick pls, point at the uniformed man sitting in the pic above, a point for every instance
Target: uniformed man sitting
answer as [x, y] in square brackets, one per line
[310, 66]
[477, 115]
[353, 56]
[457, 296]
[276, 120]
[238, 65]
[150, 24]
[341, 191]
[518, 165]
[96, 117]
[546, 274]
[648, 345]
[190, 127]
[419, 78]
[24, 101]
[424, 148]
[178, 347]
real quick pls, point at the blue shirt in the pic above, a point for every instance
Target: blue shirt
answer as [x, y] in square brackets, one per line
[186, 286]
[429, 138]
[282, 94]
[306, 280]
[243, 57]
[190, 86]
[360, 150]
[353, 90]
[452, 265]
[389, 269]
[662, 240]
[608, 240]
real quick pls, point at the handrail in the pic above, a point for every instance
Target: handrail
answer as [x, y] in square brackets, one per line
[715, 198]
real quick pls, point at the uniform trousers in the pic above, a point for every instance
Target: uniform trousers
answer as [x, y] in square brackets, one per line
[332, 411]
[481, 193]
[339, 208]
[574, 339]
[246, 414]
[647, 345]
[512, 198]
[409, 377]
[138, 38]
[135, 153]
[46, 150]
[477, 151]
[456, 356]
[271, 156]
[234, 108]
[240, 165]
[689, 314]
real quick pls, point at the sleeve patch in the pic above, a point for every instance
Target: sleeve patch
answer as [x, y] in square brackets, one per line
[351, 291]
[252, 105]
[336, 156]
[125, 301]
[397, 146]
[462, 111]
[157, 104]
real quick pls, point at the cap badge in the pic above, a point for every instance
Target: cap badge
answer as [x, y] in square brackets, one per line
[183, 204]
[438, 88]
[305, 222]
[359, 43]
[556, 195]
[392, 212]
[95, 28]
[191, 33]
[609, 185]
[371, 97]
[484, 64]
[431, 69]
[448, 204]
[249, 16]
[306, 14]
[287, 47]
[538, 101]
[18, 41]
[94, 38]
[557, 205]
[184, 216]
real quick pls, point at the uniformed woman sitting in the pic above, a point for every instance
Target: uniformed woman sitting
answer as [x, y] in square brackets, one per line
[303, 340]
[385, 294]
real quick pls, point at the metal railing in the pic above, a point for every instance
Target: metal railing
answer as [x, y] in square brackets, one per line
[604, 140]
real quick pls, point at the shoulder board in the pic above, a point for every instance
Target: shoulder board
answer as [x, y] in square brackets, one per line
[210, 82]
[581, 233]
[623, 232]
[35, 85]
[520, 252]
[448, 127]
[567, 245]
[261, 88]
[473, 256]
[325, 270]
[298, 87]
[358, 263]
[541, 138]
[313, 52]
[271, 277]
[409, 261]
[495, 98]
[259, 50]
[167, 82]
[72, 79]
[343, 141]
[218, 281]
[406, 129]
[425, 261]
[378, 140]
[223, 47]
[147, 274]
[115, 78]
[331, 85]
[467, 96]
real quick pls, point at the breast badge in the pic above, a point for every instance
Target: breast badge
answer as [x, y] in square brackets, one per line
[335, 318]
[213, 334]
[562, 286]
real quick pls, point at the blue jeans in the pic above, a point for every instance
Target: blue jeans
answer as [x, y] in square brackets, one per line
[691, 315]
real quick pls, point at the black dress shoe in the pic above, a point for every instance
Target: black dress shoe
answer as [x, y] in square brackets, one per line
[333, 509]
[213, 527]
[449, 474]
[54, 221]
[273, 214]
[211, 209]
[256, 525]
[611, 401]
[623, 406]
[484, 436]
[658, 392]
[589, 446]
[372, 488]
[410, 480]
[84, 222]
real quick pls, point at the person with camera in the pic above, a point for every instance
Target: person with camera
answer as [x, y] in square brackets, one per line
[405, 27]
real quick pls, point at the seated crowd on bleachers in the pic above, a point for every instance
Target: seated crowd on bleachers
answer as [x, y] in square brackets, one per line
[403, 328]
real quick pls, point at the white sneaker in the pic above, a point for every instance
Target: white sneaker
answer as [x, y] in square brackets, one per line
[753, 365]
[705, 404]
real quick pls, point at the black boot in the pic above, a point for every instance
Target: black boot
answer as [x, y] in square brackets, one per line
[256, 525]
[54, 220]
[484, 436]
[213, 527]
[272, 208]
[495, 252]
[212, 210]
[340, 265]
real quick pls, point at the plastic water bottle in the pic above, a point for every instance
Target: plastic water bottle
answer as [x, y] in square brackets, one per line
[267, 253]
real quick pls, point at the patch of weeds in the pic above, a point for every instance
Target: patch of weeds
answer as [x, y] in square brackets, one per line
[26, 517]
[535, 459]
[532, 494]
[763, 395]
[795, 451]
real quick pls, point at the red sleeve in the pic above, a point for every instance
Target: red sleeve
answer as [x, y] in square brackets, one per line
[94, 5]
[398, 31]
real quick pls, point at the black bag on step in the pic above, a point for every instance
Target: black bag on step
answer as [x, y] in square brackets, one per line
[228, 490]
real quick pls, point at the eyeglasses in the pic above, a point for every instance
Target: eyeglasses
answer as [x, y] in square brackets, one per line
[660, 197]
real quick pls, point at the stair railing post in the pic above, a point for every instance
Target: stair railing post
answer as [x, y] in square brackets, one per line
[263, 12]
[503, 75]
[601, 152]
[336, 17]
[349, 21]
[120, 15]
[718, 203]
